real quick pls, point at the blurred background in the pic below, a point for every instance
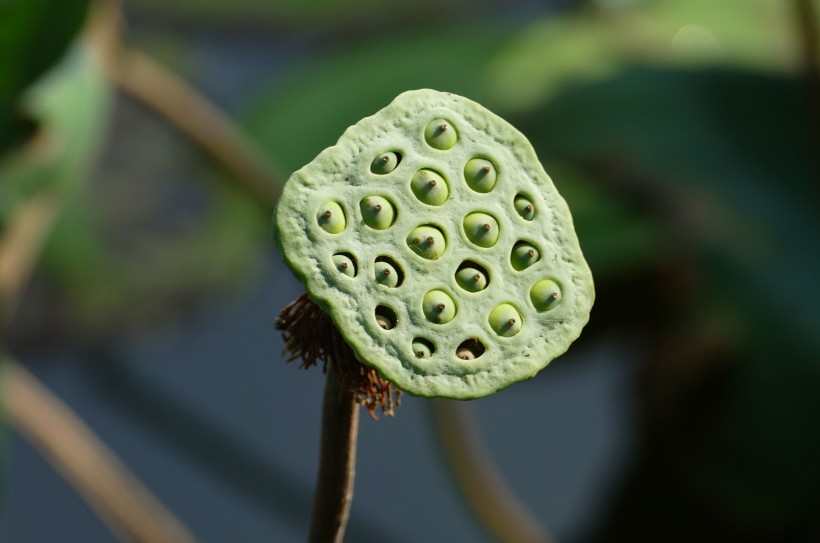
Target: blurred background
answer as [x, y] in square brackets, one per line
[142, 146]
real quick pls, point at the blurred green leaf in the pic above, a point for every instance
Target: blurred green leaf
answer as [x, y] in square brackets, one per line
[34, 34]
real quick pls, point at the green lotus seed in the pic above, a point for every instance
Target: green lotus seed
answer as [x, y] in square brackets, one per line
[430, 187]
[423, 348]
[438, 307]
[378, 213]
[386, 274]
[440, 134]
[384, 163]
[427, 242]
[471, 279]
[480, 175]
[505, 320]
[331, 218]
[345, 265]
[545, 295]
[481, 229]
[524, 255]
[524, 207]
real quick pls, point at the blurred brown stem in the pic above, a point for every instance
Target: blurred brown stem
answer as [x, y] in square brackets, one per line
[72, 448]
[337, 463]
[186, 108]
[480, 480]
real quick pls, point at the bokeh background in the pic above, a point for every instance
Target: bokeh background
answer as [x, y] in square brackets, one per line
[685, 136]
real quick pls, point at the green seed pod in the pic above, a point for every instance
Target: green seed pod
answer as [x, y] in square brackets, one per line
[440, 134]
[481, 229]
[427, 242]
[524, 207]
[430, 187]
[423, 348]
[545, 295]
[331, 218]
[386, 274]
[384, 163]
[524, 255]
[378, 213]
[480, 174]
[438, 307]
[345, 265]
[505, 320]
[471, 279]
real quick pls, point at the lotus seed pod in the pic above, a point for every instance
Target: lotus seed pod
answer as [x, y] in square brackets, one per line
[442, 244]
[384, 163]
[480, 174]
[471, 279]
[545, 295]
[524, 255]
[429, 187]
[422, 348]
[505, 320]
[378, 213]
[386, 274]
[345, 265]
[481, 229]
[440, 134]
[427, 242]
[524, 207]
[438, 307]
[331, 218]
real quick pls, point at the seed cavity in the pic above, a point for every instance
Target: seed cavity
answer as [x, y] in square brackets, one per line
[438, 307]
[440, 134]
[480, 174]
[387, 272]
[430, 187]
[524, 208]
[385, 317]
[472, 276]
[423, 348]
[505, 320]
[482, 229]
[377, 212]
[385, 163]
[470, 349]
[331, 218]
[345, 263]
[524, 255]
[427, 241]
[545, 295]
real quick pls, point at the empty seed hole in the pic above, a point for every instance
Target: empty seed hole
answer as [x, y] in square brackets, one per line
[470, 349]
[385, 317]
[423, 348]
[387, 272]
[345, 264]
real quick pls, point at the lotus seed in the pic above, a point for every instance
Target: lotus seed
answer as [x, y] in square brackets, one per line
[440, 134]
[471, 279]
[427, 242]
[423, 348]
[344, 264]
[331, 218]
[378, 213]
[524, 255]
[438, 307]
[430, 187]
[524, 207]
[386, 274]
[480, 175]
[384, 163]
[385, 317]
[481, 229]
[505, 320]
[545, 295]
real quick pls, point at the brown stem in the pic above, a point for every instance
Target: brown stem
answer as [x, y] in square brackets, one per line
[480, 480]
[73, 449]
[337, 464]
